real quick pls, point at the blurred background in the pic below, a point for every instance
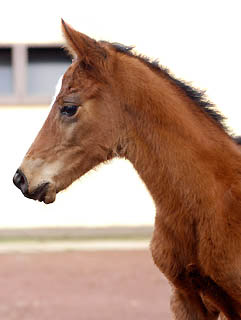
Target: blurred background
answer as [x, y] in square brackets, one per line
[199, 41]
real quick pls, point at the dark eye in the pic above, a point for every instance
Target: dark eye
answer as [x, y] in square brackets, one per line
[68, 111]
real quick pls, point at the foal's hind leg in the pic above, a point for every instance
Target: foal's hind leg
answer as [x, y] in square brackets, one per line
[189, 307]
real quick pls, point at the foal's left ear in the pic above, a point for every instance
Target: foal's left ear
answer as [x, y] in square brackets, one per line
[88, 51]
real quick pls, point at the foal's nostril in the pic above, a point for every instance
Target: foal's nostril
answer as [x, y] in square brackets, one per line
[20, 181]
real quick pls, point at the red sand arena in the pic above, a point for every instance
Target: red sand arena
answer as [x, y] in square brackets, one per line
[80, 285]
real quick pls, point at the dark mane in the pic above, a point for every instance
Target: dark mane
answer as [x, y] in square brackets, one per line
[198, 96]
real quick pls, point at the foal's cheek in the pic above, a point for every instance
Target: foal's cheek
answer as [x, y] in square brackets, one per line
[236, 190]
[69, 132]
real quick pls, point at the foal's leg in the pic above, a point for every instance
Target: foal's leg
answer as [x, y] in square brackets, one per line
[189, 307]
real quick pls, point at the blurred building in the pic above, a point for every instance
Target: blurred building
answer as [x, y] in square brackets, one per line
[29, 72]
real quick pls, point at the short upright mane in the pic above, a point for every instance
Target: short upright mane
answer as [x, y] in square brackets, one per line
[198, 96]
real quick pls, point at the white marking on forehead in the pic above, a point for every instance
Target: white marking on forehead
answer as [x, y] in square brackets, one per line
[57, 90]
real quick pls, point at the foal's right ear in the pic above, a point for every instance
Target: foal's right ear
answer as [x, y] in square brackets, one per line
[89, 51]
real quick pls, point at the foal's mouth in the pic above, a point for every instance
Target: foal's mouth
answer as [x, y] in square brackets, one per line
[39, 193]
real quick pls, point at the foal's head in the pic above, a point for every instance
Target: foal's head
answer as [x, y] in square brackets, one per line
[84, 125]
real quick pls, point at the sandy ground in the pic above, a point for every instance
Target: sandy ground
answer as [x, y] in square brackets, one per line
[120, 285]
[60, 246]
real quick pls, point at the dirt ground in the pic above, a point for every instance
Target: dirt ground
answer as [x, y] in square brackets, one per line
[108, 285]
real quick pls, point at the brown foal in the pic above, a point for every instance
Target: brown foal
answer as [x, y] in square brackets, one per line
[115, 103]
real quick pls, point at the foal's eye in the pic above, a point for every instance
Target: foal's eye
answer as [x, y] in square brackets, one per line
[68, 111]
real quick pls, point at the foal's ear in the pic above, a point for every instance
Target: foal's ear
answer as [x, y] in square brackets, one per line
[85, 48]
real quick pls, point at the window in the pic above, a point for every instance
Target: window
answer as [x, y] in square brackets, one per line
[29, 73]
[45, 66]
[6, 78]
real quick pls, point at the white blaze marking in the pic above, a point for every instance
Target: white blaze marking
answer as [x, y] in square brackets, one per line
[57, 90]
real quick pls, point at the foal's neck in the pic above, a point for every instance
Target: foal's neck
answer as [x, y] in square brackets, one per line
[176, 149]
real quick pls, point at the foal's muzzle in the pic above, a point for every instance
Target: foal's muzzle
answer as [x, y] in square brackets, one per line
[21, 182]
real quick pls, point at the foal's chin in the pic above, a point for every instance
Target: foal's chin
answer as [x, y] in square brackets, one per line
[45, 192]
[50, 195]
[52, 189]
